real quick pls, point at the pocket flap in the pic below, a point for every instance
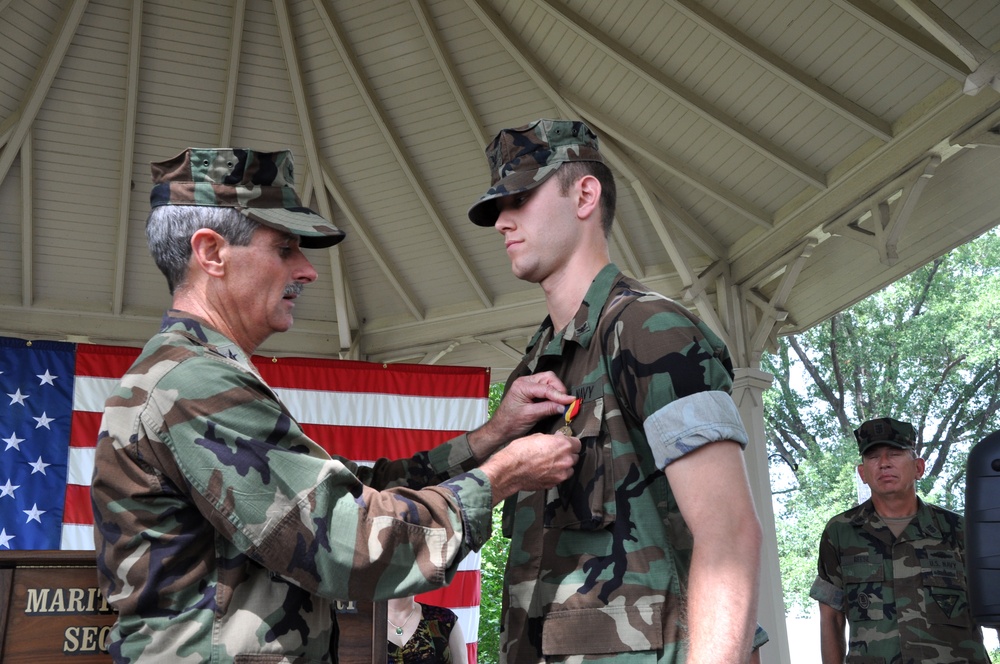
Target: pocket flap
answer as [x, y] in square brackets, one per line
[602, 631]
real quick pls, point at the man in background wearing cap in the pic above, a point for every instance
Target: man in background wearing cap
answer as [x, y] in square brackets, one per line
[651, 551]
[223, 533]
[894, 566]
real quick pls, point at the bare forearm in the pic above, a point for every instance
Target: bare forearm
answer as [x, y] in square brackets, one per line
[713, 495]
[831, 635]
[722, 599]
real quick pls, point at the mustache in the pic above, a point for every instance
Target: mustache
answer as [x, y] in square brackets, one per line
[294, 289]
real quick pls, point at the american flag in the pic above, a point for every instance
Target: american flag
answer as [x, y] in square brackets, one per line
[55, 395]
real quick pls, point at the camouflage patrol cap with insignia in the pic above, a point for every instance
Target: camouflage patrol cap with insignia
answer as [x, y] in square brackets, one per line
[525, 157]
[260, 185]
[885, 431]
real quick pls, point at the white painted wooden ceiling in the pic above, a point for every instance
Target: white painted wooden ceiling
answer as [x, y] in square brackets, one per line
[752, 139]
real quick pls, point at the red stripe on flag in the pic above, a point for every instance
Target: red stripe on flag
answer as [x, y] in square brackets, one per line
[464, 590]
[371, 443]
[104, 361]
[78, 508]
[353, 376]
[84, 428]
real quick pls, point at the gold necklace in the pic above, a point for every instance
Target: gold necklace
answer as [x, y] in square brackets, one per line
[399, 628]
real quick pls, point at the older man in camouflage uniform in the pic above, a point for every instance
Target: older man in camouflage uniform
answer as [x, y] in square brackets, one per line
[223, 532]
[894, 566]
[650, 552]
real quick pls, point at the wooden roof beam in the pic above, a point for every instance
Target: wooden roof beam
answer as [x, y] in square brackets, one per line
[315, 164]
[39, 90]
[27, 224]
[626, 137]
[732, 127]
[360, 228]
[828, 97]
[448, 70]
[888, 25]
[233, 72]
[880, 219]
[128, 156]
[336, 33]
[985, 64]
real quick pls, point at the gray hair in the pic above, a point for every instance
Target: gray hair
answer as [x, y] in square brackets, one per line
[169, 229]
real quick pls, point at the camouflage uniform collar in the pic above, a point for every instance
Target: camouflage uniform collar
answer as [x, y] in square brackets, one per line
[581, 328]
[200, 332]
[923, 524]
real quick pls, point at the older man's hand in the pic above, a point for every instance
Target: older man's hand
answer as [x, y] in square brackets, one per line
[538, 461]
[529, 399]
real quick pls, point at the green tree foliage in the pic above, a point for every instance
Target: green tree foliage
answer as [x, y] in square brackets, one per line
[923, 350]
[493, 560]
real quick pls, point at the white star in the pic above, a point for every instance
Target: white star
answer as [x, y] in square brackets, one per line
[34, 514]
[8, 490]
[43, 421]
[39, 466]
[46, 378]
[13, 441]
[5, 538]
[17, 397]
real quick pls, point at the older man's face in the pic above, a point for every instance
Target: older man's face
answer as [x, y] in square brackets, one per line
[263, 280]
[889, 471]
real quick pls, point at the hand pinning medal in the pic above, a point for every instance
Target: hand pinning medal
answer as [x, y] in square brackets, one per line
[571, 412]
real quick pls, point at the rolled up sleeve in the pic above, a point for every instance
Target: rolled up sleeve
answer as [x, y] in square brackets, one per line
[690, 422]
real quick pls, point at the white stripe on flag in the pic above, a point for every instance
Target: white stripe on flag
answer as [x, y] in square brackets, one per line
[89, 393]
[393, 411]
[76, 537]
[468, 618]
[80, 469]
[366, 409]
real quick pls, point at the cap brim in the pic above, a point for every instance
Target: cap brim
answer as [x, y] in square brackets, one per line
[484, 212]
[313, 231]
[891, 443]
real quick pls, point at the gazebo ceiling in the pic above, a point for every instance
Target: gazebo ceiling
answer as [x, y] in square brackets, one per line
[777, 160]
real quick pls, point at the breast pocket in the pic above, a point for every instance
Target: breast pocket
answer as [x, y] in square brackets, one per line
[586, 501]
[942, 573]
[864, 587]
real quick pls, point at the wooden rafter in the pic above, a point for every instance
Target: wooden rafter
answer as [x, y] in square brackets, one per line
[336, 34]
[233, 69]
[880, 219]
[359, 231]
[610, 127]
[763, 327]
[885, 23]
[68, 23]
[315, 165]
[128, 156]
[780, 67]
[448, 71]
[657, 78]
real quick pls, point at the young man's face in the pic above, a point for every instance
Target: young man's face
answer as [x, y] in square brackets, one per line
[888, 470]
[539, 229]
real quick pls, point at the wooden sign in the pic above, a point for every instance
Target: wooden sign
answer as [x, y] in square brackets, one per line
[50, 609]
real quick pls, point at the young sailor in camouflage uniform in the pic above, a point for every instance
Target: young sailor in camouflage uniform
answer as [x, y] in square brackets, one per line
[223, 533]
[894, 566]
[624, 562]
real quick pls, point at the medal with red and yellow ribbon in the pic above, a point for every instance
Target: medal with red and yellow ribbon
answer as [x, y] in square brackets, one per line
[571, 411]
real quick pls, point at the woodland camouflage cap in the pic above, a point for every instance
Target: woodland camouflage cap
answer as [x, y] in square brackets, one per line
[260, 185]
[885, 431]
[523, 158]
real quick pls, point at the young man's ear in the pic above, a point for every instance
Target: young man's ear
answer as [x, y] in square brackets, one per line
[588, 190]
[207, 250]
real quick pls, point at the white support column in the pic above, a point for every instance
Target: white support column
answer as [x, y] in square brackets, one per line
[748, 390]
